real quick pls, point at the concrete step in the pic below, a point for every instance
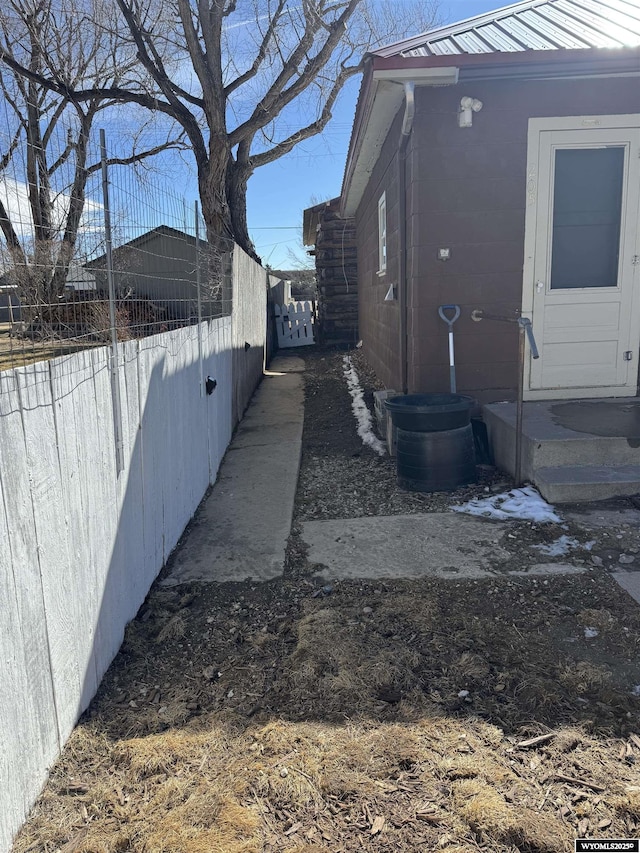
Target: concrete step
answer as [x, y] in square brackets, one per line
[547, 444]
[583, 483]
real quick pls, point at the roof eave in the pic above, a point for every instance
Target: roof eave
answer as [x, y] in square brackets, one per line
[311, 217]
[381, 96]
[600, 61]
[382, 72]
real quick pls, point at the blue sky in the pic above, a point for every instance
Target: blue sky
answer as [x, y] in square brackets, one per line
[279, 192]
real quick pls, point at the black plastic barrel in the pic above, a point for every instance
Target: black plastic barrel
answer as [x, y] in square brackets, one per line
[429, 412]
[436, 461]
[435, 445]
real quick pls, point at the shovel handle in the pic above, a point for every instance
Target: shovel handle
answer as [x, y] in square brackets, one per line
[443, 316]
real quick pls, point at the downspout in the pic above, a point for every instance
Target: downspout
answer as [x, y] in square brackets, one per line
[407, 124]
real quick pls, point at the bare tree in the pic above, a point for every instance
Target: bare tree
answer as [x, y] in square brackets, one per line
[46, 162]
[247, 80]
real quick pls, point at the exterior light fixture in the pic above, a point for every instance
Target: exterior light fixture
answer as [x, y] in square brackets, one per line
[468, 106]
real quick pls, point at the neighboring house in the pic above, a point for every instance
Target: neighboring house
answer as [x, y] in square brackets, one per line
[279, 289]
[160, 266]
[9, 302]
[495, 164]
[334, 241]
[78, 279]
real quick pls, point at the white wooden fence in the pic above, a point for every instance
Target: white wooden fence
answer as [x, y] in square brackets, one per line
[294, 324]
[81, 545]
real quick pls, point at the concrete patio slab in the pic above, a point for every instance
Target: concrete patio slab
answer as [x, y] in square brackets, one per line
[446, 545]
[601, 517]
[551, 569]
[629, 581]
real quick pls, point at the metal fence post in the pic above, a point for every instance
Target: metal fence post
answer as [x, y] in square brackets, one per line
[113, 360]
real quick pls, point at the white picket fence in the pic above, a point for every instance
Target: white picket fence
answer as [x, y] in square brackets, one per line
[294, 323]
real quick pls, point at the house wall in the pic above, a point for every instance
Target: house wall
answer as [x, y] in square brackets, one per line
[82, 544]
[379, 320]
[9, 313]
[466, 191]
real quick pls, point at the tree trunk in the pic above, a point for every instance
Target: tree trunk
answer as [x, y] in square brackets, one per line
[67, 247]
[211, 184]
[219, 229]
[236, 186]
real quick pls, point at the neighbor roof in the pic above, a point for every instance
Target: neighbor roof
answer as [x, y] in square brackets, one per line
[142, 240]
[531, 25]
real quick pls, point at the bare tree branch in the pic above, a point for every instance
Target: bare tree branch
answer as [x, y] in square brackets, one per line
[277, 98]
[6, 157]
[310, 130]
[10, 235]
[196, 53]
[138, 158]
[262, 52]
[49, 47]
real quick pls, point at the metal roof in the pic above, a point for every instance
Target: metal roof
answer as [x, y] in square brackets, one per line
[531, 25]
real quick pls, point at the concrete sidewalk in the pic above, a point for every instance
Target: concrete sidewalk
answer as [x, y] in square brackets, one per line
[241, 531]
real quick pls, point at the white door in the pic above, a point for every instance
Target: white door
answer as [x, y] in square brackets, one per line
[582, 271]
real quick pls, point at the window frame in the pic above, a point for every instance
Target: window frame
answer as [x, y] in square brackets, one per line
[382, 234]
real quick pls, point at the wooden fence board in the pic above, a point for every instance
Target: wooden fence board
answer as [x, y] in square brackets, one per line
[130, 498]
[51, 529]
[17, 722]
[67, 379]
[27, 703]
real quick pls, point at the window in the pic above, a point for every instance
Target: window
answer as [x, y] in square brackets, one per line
[587, 214]
[382, 234]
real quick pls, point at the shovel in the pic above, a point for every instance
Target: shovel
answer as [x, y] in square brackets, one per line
[450, 320]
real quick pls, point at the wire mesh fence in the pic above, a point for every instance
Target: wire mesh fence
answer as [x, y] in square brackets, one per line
[82, 268]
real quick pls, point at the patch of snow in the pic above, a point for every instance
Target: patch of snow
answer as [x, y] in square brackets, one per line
[635, 691]
[360, 410]
[590, 633]
[526, 504]
[560, 547]
[589, 545]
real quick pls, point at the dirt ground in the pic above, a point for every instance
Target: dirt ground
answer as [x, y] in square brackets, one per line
[395, 716]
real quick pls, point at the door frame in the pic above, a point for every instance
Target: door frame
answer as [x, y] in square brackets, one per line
[560, 123]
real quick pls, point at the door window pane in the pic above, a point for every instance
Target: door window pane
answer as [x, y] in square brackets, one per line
[587, 211]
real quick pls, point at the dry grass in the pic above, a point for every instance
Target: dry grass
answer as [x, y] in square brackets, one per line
[342, 730]
[217, 786]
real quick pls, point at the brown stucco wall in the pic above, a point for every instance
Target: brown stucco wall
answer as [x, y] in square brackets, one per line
[378, 321]
[466, 191]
